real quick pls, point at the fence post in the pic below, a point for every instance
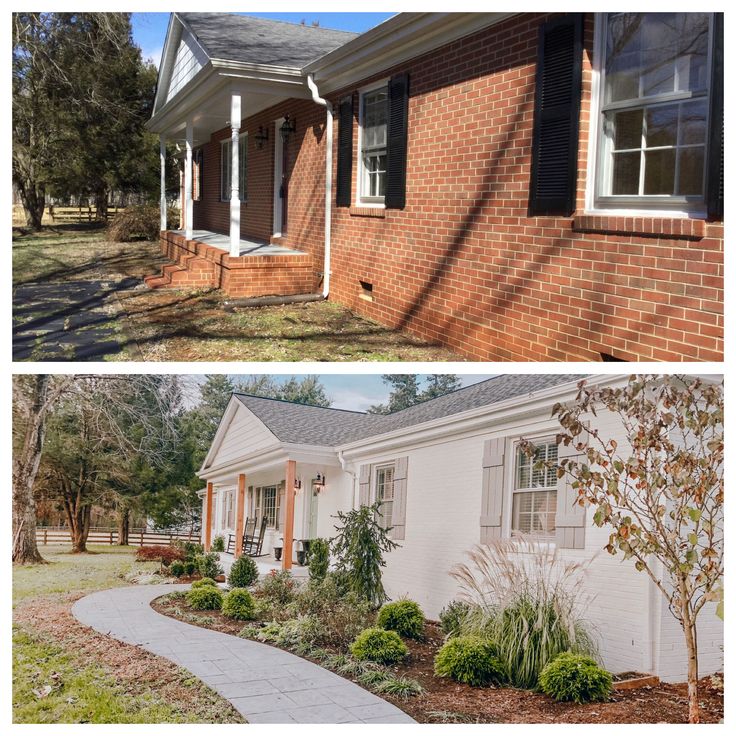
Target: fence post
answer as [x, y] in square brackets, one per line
[110, 537]
[45, 536]
[141, 537]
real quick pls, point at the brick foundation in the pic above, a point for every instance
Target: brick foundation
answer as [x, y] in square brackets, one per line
[200, 265]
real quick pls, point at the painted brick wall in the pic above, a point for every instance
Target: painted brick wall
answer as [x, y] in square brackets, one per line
[464, 265]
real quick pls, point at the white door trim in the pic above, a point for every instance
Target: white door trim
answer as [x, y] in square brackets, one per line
[278, 165]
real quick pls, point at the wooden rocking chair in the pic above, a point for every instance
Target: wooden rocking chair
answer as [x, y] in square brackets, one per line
[248, 531]
[253, 545]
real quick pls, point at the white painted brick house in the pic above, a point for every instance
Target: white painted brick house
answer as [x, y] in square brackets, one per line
[452, 477]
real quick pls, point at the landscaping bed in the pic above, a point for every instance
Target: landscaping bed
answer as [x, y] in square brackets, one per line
[446, 701]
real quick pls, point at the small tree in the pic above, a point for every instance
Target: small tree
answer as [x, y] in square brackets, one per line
[358, 548]
[662, 495]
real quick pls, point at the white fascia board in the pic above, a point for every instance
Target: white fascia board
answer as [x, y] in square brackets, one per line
[403, 37]
[168, 55]
[482, 419]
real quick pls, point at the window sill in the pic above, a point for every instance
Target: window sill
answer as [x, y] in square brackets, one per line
[367, 211]
[677, 228]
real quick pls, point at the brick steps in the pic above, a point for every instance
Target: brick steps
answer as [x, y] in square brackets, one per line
[192, 270]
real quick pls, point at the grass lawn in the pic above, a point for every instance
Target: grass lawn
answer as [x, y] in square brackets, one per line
[64, 672]
[191, 325]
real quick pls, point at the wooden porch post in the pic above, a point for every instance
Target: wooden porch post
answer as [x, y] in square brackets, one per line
[288, 550]
[189, 209]
[235, 117]
[239, 516]
[208, 518]
[162, 156]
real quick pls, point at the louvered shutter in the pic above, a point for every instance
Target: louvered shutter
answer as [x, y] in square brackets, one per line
[398, 126]
[715, 146]
[493, 490]
[364, 480]
[569, 517]
[398, 521]
[557, 117]
[345, 153]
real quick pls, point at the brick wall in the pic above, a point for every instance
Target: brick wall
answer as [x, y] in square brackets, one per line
[464, 265]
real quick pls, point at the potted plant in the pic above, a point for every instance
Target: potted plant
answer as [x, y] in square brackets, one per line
[301, 554]
[277, 549]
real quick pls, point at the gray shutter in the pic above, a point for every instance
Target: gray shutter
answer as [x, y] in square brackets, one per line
[364, 497]
[569, 518]
[493, 490]
[250, 502]
[281, 491]
[398, 529]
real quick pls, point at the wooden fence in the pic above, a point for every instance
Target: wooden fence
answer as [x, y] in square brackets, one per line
[106, 535]
[79, 214]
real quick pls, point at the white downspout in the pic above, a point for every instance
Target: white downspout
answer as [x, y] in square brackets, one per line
[351, 473]
[328, 182]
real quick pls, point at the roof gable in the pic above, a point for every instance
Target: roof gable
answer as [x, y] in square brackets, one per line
[190, 58]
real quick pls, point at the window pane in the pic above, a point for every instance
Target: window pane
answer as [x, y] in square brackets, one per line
[662, 126]
[625, 179]
[692, 161]
[659, 172]
[627, 127]
[692, 122]
[623, 57]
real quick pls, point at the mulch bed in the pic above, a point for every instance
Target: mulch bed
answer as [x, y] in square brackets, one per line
[445, 701]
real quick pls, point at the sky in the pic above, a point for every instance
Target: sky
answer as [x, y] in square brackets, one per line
[354, 392]
[149, 29]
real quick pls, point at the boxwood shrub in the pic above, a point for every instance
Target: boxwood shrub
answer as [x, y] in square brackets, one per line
[243, 573]
[470, 660]
[378, 645]
[205, 598]
[176, 568]
[239, 604]
[404, 617]
[575, 677]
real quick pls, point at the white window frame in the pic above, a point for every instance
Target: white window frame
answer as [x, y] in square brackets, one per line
[544, 439]
[377, 469]
[260, 505]
[362, 199]
[242, 163]
[652, 205]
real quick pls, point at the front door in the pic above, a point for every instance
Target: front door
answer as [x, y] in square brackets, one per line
[313, 503]
[281, 182]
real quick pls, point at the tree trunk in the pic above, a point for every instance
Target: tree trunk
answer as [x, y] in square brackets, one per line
[33, 199]
[123, 525]
[691, 642]
[25, 469]
[101, 204]
[77, 516]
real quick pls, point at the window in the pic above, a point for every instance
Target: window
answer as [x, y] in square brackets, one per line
[385, 494]
[228, 510]
[535, 492]
[197, 159]
[654, 110]
[373, 145]
[225, 161]
[267, 503]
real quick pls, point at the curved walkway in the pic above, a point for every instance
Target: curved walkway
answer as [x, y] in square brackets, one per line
[265, 684]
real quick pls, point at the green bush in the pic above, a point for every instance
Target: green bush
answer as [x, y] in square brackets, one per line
[243, 573]
[176, 568]
[239, 604]
[190, 549]
[319, 559]
[470, 660]
[277, 587]
[208, 565]
[190, 567]
[379, 645]
[218, 544]
[205, 598]
[400, 687]
[404, 617]
[452, 617]
[204, 583]
[575, 677]
[293, 632]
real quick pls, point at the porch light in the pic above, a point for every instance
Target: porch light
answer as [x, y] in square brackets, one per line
[261, 136]
[297, 484]
[287, 128]
[319, 482]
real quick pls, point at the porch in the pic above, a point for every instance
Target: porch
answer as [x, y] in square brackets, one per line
[265, 565]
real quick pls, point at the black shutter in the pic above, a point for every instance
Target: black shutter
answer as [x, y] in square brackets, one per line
[398, 122]
[715, 137]
[557, 117]
[345, 153]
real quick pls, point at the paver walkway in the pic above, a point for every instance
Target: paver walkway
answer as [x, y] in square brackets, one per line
[265, 684]
[73, 320]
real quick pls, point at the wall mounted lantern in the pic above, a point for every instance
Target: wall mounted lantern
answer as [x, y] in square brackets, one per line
[319, 483]
[297, 484]
[287, 128]
[261, 136]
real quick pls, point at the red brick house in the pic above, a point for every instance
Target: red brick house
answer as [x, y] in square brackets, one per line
[517, 186]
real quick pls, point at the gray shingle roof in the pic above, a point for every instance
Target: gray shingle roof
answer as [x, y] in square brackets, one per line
[262, 41]
[313, 425]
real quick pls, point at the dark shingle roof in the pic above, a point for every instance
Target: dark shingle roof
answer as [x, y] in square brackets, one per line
[313, 425]
[262, 41]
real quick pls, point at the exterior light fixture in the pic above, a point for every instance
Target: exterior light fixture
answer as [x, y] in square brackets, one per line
[287, 128]
[319, 482]
[261, 136]
[297, 484]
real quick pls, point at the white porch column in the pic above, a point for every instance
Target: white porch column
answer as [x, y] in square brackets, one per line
[162, 154]
[189, 208]
[235, 117]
